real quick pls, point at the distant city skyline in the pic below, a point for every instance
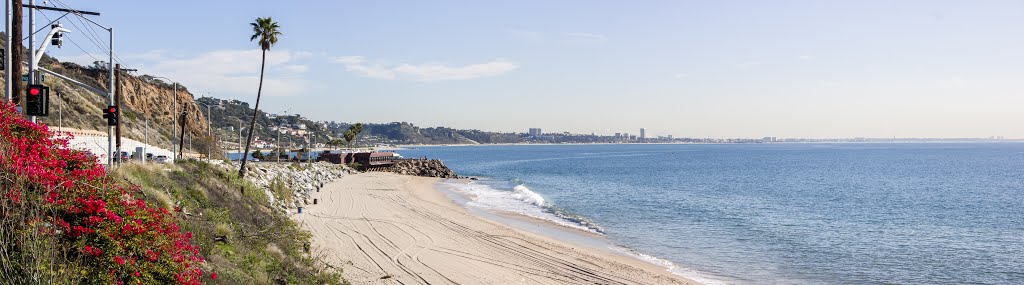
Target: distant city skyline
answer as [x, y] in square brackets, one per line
[936, 69]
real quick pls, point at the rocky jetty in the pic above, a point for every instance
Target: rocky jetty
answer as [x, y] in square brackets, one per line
[300, 179]
[423, 167]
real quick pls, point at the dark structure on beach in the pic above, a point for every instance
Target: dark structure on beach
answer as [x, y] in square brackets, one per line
[390, 162]
[364, 159]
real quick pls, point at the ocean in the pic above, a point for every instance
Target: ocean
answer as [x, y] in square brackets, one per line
[887, 213]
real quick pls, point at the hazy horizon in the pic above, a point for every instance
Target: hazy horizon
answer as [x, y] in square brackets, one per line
[929, 69]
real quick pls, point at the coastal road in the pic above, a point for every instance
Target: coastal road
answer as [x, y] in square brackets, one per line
[383, 228]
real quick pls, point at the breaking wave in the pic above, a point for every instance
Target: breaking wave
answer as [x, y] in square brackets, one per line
[521, 200]
[524, 194]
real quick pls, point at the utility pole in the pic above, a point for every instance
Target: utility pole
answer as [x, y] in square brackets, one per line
[16, 51]
[279, 149]
[174, 114]
[240, 139]
[117, 98]
[181, 143]
[60, 112]
[175, 128]
[146, 148]
[209, 129]
[278, 152]
[209, 132]
[7, 53]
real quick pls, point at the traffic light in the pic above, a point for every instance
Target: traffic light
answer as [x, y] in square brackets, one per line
[37, 100]
[58, 37]
[110, 113]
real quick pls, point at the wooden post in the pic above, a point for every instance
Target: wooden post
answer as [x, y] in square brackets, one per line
[181, 144]
[16, 53]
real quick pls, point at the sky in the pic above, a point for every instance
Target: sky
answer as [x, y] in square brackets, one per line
[723, 69]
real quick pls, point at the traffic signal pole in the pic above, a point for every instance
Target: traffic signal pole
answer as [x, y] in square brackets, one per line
[117, 98]
[13, 56]
[110, 98]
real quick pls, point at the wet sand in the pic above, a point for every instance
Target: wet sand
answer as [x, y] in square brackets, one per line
[393, 229]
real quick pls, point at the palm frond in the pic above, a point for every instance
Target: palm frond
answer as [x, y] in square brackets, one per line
[266, 30]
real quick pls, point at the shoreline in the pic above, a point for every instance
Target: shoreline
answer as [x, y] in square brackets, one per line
[382, 227]
[571, 233]
[414, 146]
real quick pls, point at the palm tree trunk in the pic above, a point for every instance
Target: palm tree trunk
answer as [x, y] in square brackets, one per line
[255, 112]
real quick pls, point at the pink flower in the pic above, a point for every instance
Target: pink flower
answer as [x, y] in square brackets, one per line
[119, 260]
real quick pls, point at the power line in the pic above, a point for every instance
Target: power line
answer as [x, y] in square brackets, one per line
[90, 33]
[83, 50]
[44, 27]
[70, 40]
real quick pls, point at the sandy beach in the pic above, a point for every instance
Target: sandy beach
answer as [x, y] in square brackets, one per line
[394, 229]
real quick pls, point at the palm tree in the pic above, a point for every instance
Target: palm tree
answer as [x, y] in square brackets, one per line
[264, 29]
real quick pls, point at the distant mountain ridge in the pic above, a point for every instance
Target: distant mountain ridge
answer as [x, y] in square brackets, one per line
[299, 130]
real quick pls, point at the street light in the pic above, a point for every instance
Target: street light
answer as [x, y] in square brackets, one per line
[279, 135]
[209, 129]
[240, 140]
[174, 114]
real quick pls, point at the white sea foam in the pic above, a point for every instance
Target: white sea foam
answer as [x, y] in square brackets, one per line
[703, 278]
[524, 194]
[521, 200]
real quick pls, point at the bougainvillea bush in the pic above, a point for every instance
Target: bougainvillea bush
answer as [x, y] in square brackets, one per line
[64, 221]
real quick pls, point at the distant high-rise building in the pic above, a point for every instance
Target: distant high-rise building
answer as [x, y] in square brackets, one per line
[535, 132]
[618, 135]
[643, 133]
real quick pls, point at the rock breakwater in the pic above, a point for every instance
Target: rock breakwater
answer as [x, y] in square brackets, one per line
[289, 185]
[424, 167]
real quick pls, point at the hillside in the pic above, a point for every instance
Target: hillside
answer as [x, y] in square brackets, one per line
[226, 114]
[241, 235]
[143, 97]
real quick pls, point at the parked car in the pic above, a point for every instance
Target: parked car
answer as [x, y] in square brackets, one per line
[162, 159]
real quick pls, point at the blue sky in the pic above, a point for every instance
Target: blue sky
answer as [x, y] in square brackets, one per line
[686, 68]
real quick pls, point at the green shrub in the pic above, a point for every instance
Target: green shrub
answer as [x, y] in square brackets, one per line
[355, 165]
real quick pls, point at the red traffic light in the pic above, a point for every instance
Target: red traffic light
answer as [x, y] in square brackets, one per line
[33, 91]
[113, 110]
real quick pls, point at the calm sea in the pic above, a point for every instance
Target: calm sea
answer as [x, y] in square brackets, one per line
[777, 213]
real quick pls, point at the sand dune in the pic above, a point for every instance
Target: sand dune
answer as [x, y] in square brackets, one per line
[393, 229]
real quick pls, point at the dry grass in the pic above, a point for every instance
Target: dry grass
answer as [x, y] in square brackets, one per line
[263, 246]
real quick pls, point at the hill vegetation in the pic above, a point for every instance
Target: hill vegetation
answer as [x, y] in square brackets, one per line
[66, 220]
[324, 132]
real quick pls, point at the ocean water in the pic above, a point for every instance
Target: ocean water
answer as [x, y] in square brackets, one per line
[942, 213]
